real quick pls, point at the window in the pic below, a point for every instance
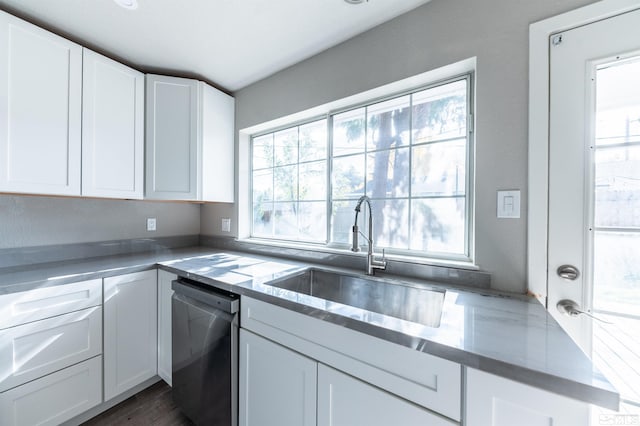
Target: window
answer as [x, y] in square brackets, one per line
[410, 154]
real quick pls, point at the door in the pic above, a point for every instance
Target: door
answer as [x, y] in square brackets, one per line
[344, 400]
[130, 331]
[172, 137]
[164, 324]
[594, 197]
[112, 129]
[277, 385]
[40, 110]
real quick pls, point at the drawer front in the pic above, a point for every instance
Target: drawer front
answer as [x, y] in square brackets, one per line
[32, 350]
[27, 306]
[421, 378]
[55, 398]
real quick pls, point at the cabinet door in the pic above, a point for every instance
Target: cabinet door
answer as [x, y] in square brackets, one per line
[217, 165]
[495, 401]
[40, 110]
[172, 138]
[277, 385]
[54, 399]
[164, 324]
[32, 350]
[344, 401]
[112, 128]
[130, 331]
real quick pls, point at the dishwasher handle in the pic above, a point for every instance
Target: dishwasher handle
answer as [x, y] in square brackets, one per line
[226, 302]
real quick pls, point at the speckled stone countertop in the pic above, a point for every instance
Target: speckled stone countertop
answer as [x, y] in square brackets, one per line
[510, 337]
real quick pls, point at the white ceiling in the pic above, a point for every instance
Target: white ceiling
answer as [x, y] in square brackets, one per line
[231, 43]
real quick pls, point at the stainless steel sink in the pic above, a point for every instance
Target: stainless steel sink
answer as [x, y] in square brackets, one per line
[418, 305]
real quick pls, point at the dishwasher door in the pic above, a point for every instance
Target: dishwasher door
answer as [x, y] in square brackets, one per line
[205, 354]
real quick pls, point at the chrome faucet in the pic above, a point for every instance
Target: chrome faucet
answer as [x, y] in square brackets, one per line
[372, 262]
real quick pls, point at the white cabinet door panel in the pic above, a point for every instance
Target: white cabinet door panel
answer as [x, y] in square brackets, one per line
[55, 398]
[346, 401]
[40, 110]
[277, 385]
[172, 137]
[130, 331]
[23, 307]
[217, 157]
[495, 401]
[38, 348]
[112, 128]
[164, 324]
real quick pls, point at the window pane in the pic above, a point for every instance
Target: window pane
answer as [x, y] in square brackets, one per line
[617, 184]
[263, 185]
[437, 225]
[616, 272]
[440, 112]
[388, 124]
[313, 181]
[618, 105]
[286, 147]
[348, 177]
[313, 141]
[342, 216]
[262, 152]
[285, 220]
[286, 183]
[390, 220]
[262, 219]
[313, 222]
[388, 173]
[439, 169]
[348, 132]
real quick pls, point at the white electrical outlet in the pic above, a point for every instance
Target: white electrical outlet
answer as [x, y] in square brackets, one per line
[151, 224]
[225, 226]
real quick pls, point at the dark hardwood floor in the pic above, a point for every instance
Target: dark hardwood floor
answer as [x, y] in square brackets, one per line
[152, 406]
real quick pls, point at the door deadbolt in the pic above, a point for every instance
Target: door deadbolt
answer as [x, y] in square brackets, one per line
[568, 272]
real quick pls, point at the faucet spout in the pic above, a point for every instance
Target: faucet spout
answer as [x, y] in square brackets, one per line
[372, 262]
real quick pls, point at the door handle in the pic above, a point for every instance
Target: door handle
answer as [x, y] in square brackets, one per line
[568, 272]
[569, 308]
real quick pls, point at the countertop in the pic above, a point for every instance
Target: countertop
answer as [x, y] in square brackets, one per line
[510, 337]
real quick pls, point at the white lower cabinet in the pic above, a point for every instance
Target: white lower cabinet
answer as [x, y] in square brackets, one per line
[32, 350]
[164, 324]
[55, 398]
[345, 401]
[277, 385]
[496, 401]
[130, 331]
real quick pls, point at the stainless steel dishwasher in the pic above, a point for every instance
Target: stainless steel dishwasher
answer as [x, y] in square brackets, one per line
[205, 352]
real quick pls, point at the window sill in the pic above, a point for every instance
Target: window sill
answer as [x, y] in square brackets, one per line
[418, 260]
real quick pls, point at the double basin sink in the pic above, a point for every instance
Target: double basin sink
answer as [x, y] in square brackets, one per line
[387, 297]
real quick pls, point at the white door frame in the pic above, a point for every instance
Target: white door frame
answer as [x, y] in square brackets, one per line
[538, 206]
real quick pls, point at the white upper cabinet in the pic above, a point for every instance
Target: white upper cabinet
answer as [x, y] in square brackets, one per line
[112, 128]
[189, 134]
[40, 110]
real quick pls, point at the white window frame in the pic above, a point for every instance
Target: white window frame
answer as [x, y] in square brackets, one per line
[412, 84]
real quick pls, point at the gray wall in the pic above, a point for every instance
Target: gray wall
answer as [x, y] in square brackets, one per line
[34, 221]
[436, 34]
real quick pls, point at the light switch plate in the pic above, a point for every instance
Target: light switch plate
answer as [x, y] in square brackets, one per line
[151, 224]
[509, 204]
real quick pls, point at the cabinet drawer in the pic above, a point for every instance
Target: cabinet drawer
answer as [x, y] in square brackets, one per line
[38, 348]
[27, 306]
[55, 398]
[421, 378]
